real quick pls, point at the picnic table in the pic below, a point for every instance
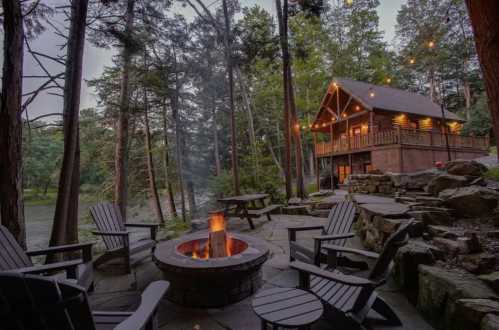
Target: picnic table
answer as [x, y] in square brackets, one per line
[248, 207]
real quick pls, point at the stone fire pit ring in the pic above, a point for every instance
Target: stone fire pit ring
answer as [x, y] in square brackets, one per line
[211, 282]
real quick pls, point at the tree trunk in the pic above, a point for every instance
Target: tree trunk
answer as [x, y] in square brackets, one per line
[65, 227]
[11, 185]
[230, 73]
[484, 17]
[300, 186]
[218, 167]
[467, 99]
[153, 190]
[285, 63]
[178, 139]
[251, 125]
[168, 181]
[121, 152]
[275, 159]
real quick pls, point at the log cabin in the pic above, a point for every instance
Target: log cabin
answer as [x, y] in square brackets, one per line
[361, 127]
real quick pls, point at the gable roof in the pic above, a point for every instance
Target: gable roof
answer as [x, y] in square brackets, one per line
[393, 99]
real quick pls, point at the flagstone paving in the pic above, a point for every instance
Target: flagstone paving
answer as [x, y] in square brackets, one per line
[122, 292]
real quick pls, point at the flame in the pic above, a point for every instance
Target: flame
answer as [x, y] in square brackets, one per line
[217, 222]
[229, 246]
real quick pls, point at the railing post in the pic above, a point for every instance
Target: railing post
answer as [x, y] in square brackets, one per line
[399, 135]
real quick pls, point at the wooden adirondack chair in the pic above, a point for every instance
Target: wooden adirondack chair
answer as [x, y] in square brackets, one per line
[30, 302]
[352, 295]
[14, 258]
[338, 230]
[107, 217]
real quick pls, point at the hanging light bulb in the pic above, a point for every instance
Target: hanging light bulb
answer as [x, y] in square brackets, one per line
[431, 44]
[349, 2]
[371, 93]
[388, 80]
[357, 108]
[412, 61]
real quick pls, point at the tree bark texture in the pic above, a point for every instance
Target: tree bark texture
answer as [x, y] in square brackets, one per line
[484, 17]
[153, 190]
[286, 118]
[178, 138]
[230, 74]
[11, 189]
[168, 181]
[65, 226]
[216, 149]
[121, 152]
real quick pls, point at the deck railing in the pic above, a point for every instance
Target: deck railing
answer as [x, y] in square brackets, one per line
[403, 137]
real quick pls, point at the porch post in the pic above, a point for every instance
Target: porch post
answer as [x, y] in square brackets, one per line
[316, 163]
[332, 157]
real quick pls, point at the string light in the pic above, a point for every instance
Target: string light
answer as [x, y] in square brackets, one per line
[388, 80]
[371, 93]
[412, 61]
[431, 44]
[357, 108]
[349, 2]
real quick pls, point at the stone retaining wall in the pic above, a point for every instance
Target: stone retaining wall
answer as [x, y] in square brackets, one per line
[370, 184]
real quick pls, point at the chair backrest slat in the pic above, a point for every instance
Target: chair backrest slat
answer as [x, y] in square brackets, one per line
[34, 302]
[341, 219]
[107, 217]
[12, 255]
[398, 239]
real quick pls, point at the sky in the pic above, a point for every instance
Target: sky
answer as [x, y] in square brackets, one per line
[95, 59]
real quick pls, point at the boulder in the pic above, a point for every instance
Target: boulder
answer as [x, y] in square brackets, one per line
[419, 180]
[445, 181]
[465, 167]
[432, 217]
[492, 280]
[490, 322]
[471, 201]
[439, 290]
[470, 313]
[406, 263]
[478, 263]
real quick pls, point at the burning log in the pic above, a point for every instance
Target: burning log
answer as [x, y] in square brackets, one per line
[217, 236]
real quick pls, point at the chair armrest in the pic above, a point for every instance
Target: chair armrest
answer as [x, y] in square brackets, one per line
[86, 249]
[111, 233]
[305, 228]
[145, 314]
[332, 276]
[141, 225]
[337, 248]
[68, 266]
[333, 237]
[153, 227]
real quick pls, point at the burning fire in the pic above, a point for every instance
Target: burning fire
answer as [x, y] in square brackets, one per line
[217, 224]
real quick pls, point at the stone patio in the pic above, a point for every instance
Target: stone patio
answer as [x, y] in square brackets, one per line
[122, 292]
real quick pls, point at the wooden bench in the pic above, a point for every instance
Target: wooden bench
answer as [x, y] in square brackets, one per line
[265, 211]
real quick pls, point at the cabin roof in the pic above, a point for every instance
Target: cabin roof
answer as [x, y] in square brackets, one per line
[393, 99]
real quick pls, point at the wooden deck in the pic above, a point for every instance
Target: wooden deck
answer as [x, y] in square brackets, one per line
[400, 136]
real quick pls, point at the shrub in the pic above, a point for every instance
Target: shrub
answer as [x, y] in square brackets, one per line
[492, 174]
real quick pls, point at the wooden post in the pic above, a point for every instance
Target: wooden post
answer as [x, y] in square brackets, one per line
[332, 156]
[348, 135]
[316, 163]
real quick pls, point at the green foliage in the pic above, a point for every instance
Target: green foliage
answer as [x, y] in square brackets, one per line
[42, 158]
[492, 174]
[480, 123]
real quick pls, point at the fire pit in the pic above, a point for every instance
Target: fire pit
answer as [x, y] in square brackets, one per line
[212, 268]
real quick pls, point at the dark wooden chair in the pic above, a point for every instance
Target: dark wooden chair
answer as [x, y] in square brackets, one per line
[29, 302]
[14, 258]
[352, 295]
[338, 230]
[110, 226]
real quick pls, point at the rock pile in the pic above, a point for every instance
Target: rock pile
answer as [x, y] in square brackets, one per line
[450, 268]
